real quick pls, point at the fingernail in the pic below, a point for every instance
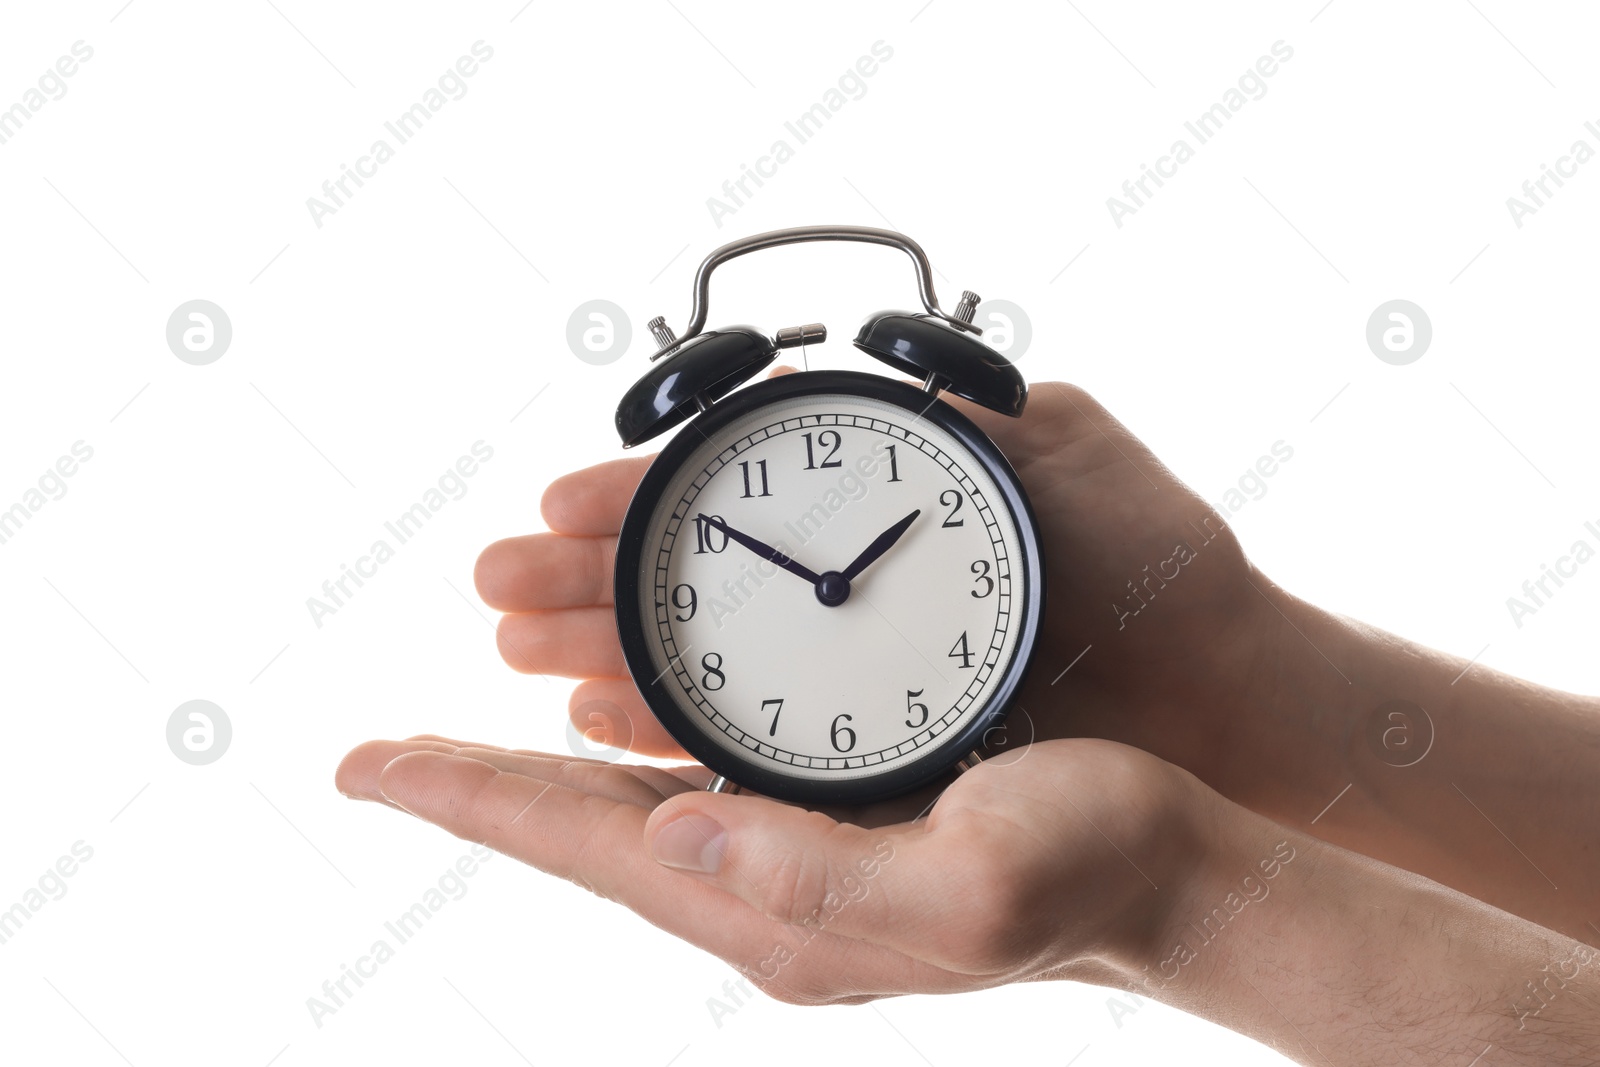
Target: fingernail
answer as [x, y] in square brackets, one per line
[691, 843]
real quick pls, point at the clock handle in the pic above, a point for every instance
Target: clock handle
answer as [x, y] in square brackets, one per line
[803, 235]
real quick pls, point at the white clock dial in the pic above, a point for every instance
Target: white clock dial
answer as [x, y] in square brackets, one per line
[754, 658]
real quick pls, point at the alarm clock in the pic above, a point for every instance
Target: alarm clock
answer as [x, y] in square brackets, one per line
[829, 584]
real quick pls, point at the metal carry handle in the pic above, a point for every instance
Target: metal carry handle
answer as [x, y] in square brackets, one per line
[803, 235]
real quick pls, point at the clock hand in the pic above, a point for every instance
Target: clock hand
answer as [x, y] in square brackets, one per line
[880, 545]
[765, 551]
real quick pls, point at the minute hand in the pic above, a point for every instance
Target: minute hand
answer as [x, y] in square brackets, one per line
[880, 545]
[765, 551]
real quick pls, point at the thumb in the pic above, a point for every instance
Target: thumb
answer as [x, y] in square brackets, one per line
[792, 865]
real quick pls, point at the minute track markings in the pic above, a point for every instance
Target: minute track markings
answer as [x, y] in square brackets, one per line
[727, 456]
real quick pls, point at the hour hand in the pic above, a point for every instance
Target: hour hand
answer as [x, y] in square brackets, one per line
[765, 551]
[881, 544]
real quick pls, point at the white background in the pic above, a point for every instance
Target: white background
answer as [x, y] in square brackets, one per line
[369, 353]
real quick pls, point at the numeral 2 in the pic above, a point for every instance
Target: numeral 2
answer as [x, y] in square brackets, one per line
[950, 519]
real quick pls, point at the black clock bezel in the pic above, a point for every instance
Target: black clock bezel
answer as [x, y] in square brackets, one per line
[631, 624]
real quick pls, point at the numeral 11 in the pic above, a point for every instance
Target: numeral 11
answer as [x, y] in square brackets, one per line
[744, 468]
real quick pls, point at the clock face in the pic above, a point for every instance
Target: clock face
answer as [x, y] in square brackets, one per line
[832, 595]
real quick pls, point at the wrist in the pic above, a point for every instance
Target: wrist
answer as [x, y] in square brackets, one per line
[1189, 855]
[1332, 957]
[1233, 864]
[1294, 709]
[1346, 718]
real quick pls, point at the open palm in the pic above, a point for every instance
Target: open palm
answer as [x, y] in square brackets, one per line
[1014, 875]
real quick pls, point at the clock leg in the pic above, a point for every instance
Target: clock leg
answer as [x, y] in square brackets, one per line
[719, 784]
[969, 761]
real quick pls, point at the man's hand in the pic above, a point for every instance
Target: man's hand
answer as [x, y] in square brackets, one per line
[1160, 634]
[1177, 681]
[1044, 862]
[1085, 860]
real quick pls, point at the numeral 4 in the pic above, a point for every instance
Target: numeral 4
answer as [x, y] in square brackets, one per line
[960, 651]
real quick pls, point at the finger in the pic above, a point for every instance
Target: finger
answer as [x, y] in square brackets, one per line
[643, 787]
[693, 775]
[575, 643]
[887, 886]
[781, 369]
[591, 502]
[610, 711]
[596, 842]
[539, 572]
[357, 776]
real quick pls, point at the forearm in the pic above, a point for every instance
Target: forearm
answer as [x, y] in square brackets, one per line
[1334, 958]
[1483, 782]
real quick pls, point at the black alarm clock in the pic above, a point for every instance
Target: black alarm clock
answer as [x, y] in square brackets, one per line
[829, 584]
